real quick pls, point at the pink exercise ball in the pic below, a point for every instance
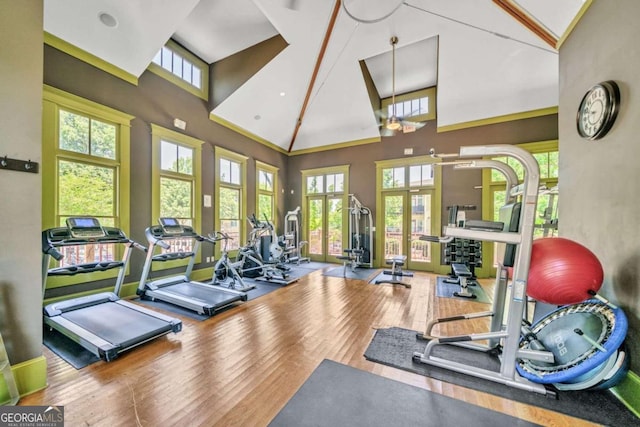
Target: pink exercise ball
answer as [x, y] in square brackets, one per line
[562, 271]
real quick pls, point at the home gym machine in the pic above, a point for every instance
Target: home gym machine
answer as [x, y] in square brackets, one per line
[505, 338]
[291, 239]
[102, 323]
[576, 347]
[464, 255]
[360, 250]
[179, 289]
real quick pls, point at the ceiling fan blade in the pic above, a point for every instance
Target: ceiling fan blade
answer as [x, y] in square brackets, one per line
[381, 114]
[416, 125]
[384, 132]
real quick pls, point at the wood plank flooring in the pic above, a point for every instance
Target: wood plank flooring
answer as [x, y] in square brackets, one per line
[240, 367]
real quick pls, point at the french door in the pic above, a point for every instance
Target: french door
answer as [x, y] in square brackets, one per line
[407, 215]
[325, 228]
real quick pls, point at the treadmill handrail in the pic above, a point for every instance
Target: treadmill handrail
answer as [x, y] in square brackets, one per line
[61, 236]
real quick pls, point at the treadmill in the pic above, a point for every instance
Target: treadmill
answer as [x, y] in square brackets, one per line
[102, 323]
[179, 289]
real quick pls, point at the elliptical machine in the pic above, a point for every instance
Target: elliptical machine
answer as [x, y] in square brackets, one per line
[250, 263]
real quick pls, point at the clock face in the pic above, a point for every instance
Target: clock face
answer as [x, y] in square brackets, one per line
[598, 110]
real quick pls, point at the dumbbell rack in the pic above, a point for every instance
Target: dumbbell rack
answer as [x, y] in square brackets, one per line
[464, 251]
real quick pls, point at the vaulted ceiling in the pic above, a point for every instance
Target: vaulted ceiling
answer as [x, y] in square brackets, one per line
[484, 62]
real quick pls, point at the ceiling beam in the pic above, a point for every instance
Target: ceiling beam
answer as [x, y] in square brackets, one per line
[526, 20]
[325, 42]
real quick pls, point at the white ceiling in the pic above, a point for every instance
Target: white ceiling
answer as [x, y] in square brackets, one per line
[483, 61]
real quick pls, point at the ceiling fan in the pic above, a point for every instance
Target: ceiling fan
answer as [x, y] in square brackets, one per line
[393, 123]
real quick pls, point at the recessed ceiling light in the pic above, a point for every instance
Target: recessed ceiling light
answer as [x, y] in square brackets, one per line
[282, 94]
[108, 19]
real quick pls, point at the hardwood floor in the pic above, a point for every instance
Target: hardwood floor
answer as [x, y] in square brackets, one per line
[240, 367]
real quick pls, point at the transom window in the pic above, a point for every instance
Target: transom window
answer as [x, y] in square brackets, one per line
[419, 105]
[176, 64]
[420, 175]
[329, 183]
[179, 66]
[410, 107]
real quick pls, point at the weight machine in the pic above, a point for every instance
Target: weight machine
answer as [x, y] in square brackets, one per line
[291, 239]
[503, 336]
[360, 250]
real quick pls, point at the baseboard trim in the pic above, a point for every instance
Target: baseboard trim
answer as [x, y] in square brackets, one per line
[30, 376]
[628, 392]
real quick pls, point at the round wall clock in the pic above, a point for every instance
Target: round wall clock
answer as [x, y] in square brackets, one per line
[598, 110]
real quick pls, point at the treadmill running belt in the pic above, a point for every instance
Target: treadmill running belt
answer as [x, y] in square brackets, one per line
[210, 295]
[117, 324]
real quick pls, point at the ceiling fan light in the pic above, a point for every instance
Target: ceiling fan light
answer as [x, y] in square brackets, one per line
[393, 123]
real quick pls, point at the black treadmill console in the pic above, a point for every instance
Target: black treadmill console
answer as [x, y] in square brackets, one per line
[85, 228]
[171, 226]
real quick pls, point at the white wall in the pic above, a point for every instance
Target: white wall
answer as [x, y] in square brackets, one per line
[21, 58]
[599, 180]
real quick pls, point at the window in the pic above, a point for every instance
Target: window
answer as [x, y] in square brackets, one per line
[176, 180]
[230, 196]
[420, 105]
[409, 108]
[266, 187]
[85, 172]
[419, 175]
[179, 66]
[494, 194]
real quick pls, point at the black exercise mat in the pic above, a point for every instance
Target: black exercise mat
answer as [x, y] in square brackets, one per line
[395, 347]
[446, 290]
[359, 273]
[339, 395]
[68, 350]
[404, 279]
[312, 265]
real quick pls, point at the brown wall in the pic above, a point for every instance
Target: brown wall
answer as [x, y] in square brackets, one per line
[157, 101]
[457, 185]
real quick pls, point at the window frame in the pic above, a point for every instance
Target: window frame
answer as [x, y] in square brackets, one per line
[203, 91]
[427, 92]
[265, 167]
[330, 170]
[55, 100]
[222, 153]
[435, 187]
[489, 186]
[159, 134]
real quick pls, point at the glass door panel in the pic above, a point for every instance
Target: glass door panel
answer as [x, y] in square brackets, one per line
[393, 221]
[316, 228]
[334, 227]
[420, 254]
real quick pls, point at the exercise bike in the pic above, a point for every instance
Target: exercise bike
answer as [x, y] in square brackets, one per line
[225, 272]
